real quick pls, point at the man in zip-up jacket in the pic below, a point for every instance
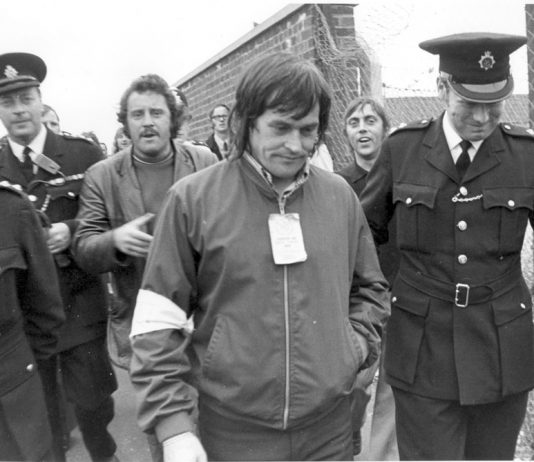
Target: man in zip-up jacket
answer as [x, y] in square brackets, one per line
[262, 295]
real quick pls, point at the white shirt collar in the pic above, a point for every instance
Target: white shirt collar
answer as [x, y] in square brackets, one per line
[220, 141]
[454, 140]
[36, 145]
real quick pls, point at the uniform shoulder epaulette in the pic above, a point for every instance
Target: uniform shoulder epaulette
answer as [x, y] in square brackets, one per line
[416, 125]
[516, 130]
[15, 188]
[70, 136]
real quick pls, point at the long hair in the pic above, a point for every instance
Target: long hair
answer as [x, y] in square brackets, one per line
[280, 81]
[155, 83]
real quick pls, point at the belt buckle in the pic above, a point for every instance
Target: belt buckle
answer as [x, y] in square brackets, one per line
[461, 297]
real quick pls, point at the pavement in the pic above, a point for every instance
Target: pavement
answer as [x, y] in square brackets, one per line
[131, 441]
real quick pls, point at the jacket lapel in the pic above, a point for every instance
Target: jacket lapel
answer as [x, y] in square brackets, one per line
[486, 157]
[50, 150]
[9, 166]
[129, 193]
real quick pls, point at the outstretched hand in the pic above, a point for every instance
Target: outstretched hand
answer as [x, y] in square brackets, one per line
[130, 239]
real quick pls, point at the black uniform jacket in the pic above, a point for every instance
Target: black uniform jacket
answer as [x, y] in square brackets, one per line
[30, 317]
[388, 255]
[461, 324]
[84, 296]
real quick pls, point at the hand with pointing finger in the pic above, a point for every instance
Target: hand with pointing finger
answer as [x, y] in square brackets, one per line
[130, 237]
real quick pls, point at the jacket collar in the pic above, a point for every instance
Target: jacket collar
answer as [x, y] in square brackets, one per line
[439, 156]
[10, 169]
[131, 197]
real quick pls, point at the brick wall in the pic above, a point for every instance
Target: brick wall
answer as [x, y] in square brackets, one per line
[294, 28]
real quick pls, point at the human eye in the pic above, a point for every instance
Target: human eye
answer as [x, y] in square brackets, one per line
[6, 102]
[353, 123]
[371, 120]
[157, 112]
[136, 114]
[310, 130]
[280, 128]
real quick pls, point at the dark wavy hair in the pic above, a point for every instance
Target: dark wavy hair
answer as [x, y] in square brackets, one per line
[280, 81]
[155, 83]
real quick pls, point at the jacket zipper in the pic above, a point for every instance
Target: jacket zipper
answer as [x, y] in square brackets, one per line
[281, 205]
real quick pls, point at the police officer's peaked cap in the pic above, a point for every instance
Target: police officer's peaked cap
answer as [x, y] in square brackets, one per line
[477, 63]
[20, 70]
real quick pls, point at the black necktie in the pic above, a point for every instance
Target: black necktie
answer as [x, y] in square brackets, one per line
[463, 162]
[27, 164]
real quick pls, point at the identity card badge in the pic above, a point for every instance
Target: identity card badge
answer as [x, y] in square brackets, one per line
[286, 238]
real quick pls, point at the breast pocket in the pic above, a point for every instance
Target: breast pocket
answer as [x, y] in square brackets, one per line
[412, 204]
[510, 207]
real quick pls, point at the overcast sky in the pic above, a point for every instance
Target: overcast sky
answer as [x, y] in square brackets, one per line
[94, 49]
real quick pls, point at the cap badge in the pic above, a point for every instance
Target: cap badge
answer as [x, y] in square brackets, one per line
[487, 61]
[10, 72]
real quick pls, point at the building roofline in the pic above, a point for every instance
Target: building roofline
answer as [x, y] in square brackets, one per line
[260, 28]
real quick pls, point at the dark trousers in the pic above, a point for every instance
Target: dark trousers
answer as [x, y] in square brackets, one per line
[89, 381]
[328, 438]
[433, 429]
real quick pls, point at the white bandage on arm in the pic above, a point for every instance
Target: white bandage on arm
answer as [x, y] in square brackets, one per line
[155, 312]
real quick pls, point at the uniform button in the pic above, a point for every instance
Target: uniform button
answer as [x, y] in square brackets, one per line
[18, 187]
[393, 299]
[462, 259]
[463, 191]
[32, 197]
[71, 194]
[523, 306]
[511, 203]
[409, 200]
[29, 367]
[507, 126]
[462, 225]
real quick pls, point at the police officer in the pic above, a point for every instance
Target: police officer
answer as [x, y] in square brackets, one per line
[50, 168]
[30, 317]
[460, 354]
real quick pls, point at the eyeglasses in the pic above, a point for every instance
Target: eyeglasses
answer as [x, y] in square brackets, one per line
[220, 117]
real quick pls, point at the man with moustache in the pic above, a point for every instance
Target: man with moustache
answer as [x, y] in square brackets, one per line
[262, 295]
[121, 196]
[50, 168]
[460, 341]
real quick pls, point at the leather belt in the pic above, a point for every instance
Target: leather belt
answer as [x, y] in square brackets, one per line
[462, 295]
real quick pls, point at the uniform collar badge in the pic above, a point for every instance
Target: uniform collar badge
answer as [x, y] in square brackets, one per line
[487, 61]
[10, 72]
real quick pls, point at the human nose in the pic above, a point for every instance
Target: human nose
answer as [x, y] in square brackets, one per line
[481, 113]
[18, 105]
[147, 119]
[294, 141]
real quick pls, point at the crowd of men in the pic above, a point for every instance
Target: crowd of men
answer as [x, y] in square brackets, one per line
[247, 291]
